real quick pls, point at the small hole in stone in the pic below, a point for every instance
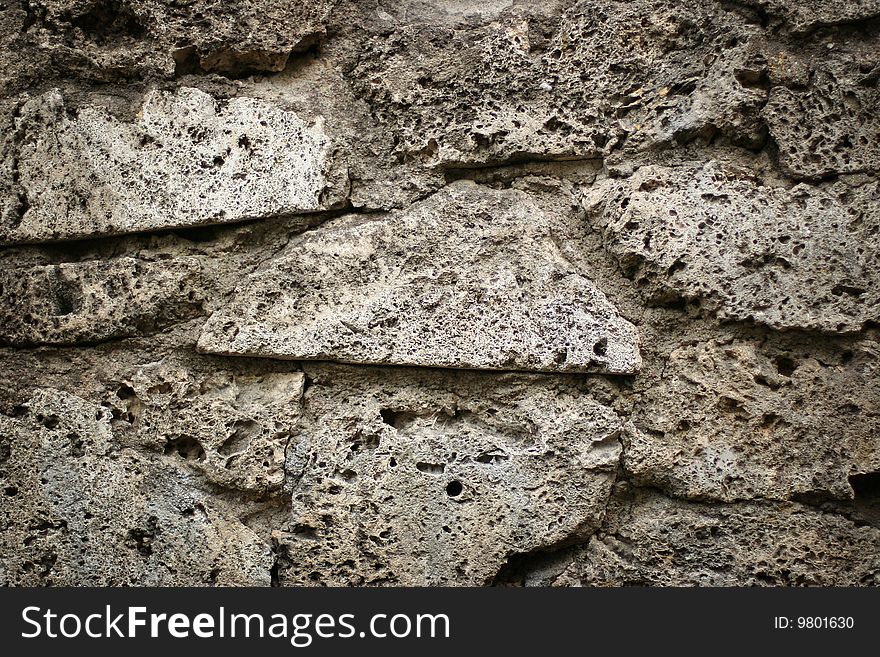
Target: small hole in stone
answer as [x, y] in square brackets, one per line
[50, 422]
[430, 468]
[392, 462]
[866, 486]
[126, 392]
[186, 448]
[601, 347]
[454, 488]
[11, 491]
[785, 366]
[388, 416]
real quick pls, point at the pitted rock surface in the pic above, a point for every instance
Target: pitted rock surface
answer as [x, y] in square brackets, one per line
[93, 513]
[437, 478]
[681, 231]
[752, 424]
[470, 278]
[653, 541]
[188, 160]
[478, 292]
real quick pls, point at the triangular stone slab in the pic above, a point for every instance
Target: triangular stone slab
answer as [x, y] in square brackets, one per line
[469, 278]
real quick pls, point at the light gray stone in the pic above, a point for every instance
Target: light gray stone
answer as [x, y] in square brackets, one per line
[745, 248]
[226, 422]
[189, 159]
[422, 477]
[469, 278]
[602, 276]
[232, 427]
[728, 421]
[93, 513]
[650, 540]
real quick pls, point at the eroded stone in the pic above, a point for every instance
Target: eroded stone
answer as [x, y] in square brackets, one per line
[804, 17]
[828, 125]
[470, 278]
[228, 422]
[415, 477]
[83, 302]
[189, 159]
[745, 248]
[551, 80]
[729, 421]
[233, 427]
[93, 513]
[107, 40]
[650, 540]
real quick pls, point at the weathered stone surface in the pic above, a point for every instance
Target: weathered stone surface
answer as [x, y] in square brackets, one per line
[650, 540]
[129, 286]
[232, 427]
[107, 40]
[724, 103]
[470, 278]
[435, 478]
[728, 421]
[92, 301]
[92, 513]
[229, 422]
[626, 252]
[550, 80]
[746, 248]
[806, 16]
[188, 160]
[827, 124]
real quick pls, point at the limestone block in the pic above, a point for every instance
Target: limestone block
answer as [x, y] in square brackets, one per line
[419, 477]
[469, 278]
[92, 513]
[802, 258]
[189, 159]
[96, 300]
[728, 421]
[650, 540]
[829, 126]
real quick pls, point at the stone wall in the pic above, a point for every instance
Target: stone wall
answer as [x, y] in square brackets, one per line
[469, 292]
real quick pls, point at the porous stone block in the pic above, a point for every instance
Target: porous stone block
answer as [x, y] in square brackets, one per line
[469, 278]
[188, 159]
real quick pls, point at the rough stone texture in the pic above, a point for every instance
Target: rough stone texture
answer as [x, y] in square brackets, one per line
[600, 279]
[651, 540]
[469, 278]
[134, 286]
[94, 301]
[680, 231]
[805, 17]
[747, 424]
[440, 477]
[550, 80]
[826, 123]
[107, 40]
[89, 513]
[187, 161]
